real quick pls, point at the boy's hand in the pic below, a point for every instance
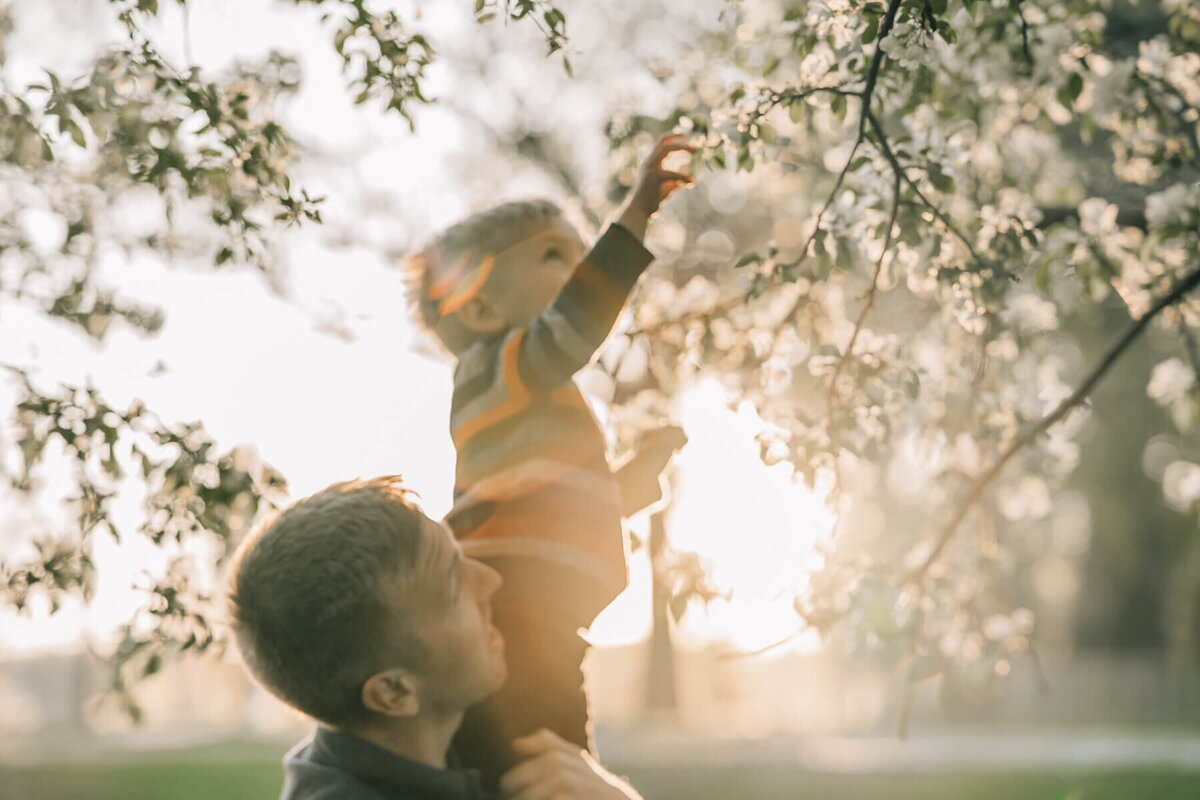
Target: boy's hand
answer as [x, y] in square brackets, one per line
[654, 184]
[639, 477]
[555, 769]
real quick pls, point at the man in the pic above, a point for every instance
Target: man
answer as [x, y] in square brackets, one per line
[358, 610]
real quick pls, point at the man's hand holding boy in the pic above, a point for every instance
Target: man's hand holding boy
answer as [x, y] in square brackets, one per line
[555, 769]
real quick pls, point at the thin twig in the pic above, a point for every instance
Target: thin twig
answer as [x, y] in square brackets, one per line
[1039, 671]
[1188, 128]
[695, 316]
[869, 302]
[886, 148]
[187, 36]
[766, 648]
[1189, 346]
[1024, 33]
[1181, 289]
[885, 27]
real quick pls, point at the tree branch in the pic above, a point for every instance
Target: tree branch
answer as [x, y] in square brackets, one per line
[886, 148]
[885, 27]
[1114, 352]
[1186, 127]
[1189, 345]
[870, 296]
[1024, 33]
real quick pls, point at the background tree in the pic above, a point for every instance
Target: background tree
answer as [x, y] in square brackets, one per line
[905, 210]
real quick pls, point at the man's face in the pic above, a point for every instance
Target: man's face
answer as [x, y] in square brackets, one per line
[529, 273]
[467, 651]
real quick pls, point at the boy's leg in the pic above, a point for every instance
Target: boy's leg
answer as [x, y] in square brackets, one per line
[544, 690]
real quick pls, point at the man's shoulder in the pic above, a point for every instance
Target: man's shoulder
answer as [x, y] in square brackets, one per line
[305, 778]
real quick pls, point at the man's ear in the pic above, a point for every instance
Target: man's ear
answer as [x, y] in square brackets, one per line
[482, 316]
[393, 692]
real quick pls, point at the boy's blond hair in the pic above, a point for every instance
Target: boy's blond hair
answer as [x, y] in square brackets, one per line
[477, 236]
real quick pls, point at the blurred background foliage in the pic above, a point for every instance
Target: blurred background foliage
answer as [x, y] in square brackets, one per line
[943, 249]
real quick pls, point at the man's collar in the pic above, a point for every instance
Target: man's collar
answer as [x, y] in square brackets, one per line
[394, 773]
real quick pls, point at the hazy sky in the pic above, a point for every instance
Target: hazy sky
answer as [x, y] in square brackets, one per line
[258, 369]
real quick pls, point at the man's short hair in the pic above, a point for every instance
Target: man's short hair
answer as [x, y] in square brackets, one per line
[488, 231]
[307, 602]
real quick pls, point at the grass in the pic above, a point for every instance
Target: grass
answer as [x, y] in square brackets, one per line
[253, 771]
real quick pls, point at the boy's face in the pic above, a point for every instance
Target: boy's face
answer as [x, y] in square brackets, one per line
[529, 273]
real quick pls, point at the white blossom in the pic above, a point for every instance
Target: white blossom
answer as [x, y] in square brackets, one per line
[1170, 381]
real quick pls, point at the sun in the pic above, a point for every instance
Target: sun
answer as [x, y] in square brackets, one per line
[754, 526]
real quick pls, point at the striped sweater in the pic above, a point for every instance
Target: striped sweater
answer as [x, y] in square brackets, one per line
[534, 493]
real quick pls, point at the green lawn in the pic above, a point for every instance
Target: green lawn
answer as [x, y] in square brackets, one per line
[244, 772]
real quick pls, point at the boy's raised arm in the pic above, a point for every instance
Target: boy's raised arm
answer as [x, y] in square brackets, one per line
[562, 339]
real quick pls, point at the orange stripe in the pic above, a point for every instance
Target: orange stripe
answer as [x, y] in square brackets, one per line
[446, 282]
[518, 396]
[568, 395]
[534, 527]
[463, 296]
[599, 283]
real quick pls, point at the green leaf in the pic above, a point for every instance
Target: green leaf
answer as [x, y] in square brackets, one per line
[1087, 129]
[72, 128]
[1075, 85]
[223, 255]
[1041, 276]
[940, 180]
[479, 5]
[872, 29]
[744, 159]
[845, 259]
[746, 260]
[484, 18]
[766, 133]
[822, 264]
[796, 110]
[771, 65]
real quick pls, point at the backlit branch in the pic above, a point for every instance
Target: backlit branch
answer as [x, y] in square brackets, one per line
[1114, 352]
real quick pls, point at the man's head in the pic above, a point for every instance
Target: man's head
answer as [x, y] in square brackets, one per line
[493, 271]
[354, 607]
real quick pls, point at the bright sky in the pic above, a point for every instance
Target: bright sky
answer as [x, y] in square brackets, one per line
[256, 369]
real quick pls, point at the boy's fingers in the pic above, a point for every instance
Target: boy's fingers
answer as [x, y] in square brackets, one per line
[669, 144]
[682, 177]
[664, 149]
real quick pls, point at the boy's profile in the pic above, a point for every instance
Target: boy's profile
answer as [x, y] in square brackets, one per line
[512, 295]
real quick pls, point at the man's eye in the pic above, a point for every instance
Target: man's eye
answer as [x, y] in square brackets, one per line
[552, 253]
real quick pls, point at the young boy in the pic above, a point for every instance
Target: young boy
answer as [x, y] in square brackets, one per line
[511, 294]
